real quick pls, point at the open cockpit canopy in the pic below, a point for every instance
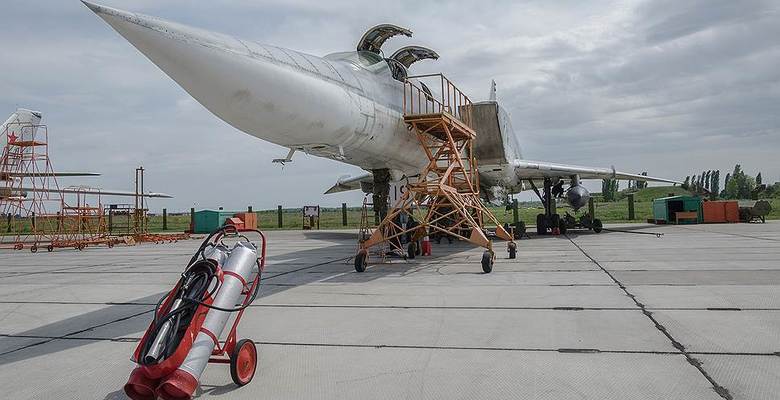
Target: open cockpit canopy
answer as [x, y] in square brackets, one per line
[375, 37]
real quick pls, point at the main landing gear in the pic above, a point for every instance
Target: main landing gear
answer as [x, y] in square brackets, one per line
[553, 223]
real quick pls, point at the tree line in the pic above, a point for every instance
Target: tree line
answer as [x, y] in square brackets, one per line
[736, 185]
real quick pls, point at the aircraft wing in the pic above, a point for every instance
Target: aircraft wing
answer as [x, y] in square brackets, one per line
[539, 170]
[347, 183]
[94, 191]
[35, 174]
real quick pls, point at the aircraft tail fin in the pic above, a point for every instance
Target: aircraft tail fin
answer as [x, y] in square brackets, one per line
[22, 123]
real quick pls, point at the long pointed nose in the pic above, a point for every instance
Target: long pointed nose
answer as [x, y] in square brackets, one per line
[261, 90]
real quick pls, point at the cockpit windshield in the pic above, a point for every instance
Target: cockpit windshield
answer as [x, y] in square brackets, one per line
[364, 59]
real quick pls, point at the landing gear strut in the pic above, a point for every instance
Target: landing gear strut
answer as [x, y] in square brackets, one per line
[550, 221]
[381, 191]
[553, 223]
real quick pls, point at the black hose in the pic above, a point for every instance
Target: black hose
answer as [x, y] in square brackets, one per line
[193, 287]
[656, 234]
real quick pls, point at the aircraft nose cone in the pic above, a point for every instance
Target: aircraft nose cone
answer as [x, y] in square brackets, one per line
[255, 91]
[104, 11]
[92, 6]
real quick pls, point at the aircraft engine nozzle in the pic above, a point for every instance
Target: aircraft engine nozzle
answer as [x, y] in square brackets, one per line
[577, 197]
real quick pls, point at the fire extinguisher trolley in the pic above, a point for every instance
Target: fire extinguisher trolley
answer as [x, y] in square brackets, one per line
[221, 279]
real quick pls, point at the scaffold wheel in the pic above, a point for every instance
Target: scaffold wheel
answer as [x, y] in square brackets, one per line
[361, 259]
[487, 261]
[34, 248]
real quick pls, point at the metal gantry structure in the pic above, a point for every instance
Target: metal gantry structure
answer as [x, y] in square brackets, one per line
[35, 210]
[447, 189]
[26, 196]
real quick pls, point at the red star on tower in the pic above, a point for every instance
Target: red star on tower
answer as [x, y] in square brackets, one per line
[11, 137]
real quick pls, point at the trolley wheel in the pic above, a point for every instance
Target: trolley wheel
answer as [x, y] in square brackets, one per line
[487, 261]
[512, 249]
[243, 362]
[411, 250]
[110, 244]
[18, 246]
[50, 248]
[361, 259]
[34, 248]
[597, 225]
[81, 246]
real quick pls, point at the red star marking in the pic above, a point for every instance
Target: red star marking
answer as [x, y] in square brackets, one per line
[12, 138]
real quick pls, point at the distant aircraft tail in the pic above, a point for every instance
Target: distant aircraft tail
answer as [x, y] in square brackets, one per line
[21, 125]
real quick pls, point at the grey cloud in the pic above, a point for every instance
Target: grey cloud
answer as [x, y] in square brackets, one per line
[590, 83]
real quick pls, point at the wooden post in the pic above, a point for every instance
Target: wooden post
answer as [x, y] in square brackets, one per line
[249, 209]
[33, 221]
[192, 219]
[165, 219]
[630, 206]
[344, 214]
[110, 220]
[591, 209]
[279, 215]
[515, 212]
[8, 220]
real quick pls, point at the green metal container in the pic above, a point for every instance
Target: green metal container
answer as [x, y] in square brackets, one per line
[206, 221]
[664, 209]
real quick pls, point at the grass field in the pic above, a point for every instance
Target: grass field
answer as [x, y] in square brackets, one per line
[331, 218]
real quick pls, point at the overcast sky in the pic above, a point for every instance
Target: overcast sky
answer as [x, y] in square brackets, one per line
[668, 87]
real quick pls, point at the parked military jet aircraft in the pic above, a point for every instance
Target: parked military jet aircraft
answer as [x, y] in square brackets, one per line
[20, 134]
[345, 106]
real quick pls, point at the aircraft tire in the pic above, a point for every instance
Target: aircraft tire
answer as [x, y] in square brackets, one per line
[597, 225]
[562, 226]
[541, 224]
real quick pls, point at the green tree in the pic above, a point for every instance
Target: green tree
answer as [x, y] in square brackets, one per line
[739, 185]
[609, 189]
[687, 184]
[715, 185]
[758, 179]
